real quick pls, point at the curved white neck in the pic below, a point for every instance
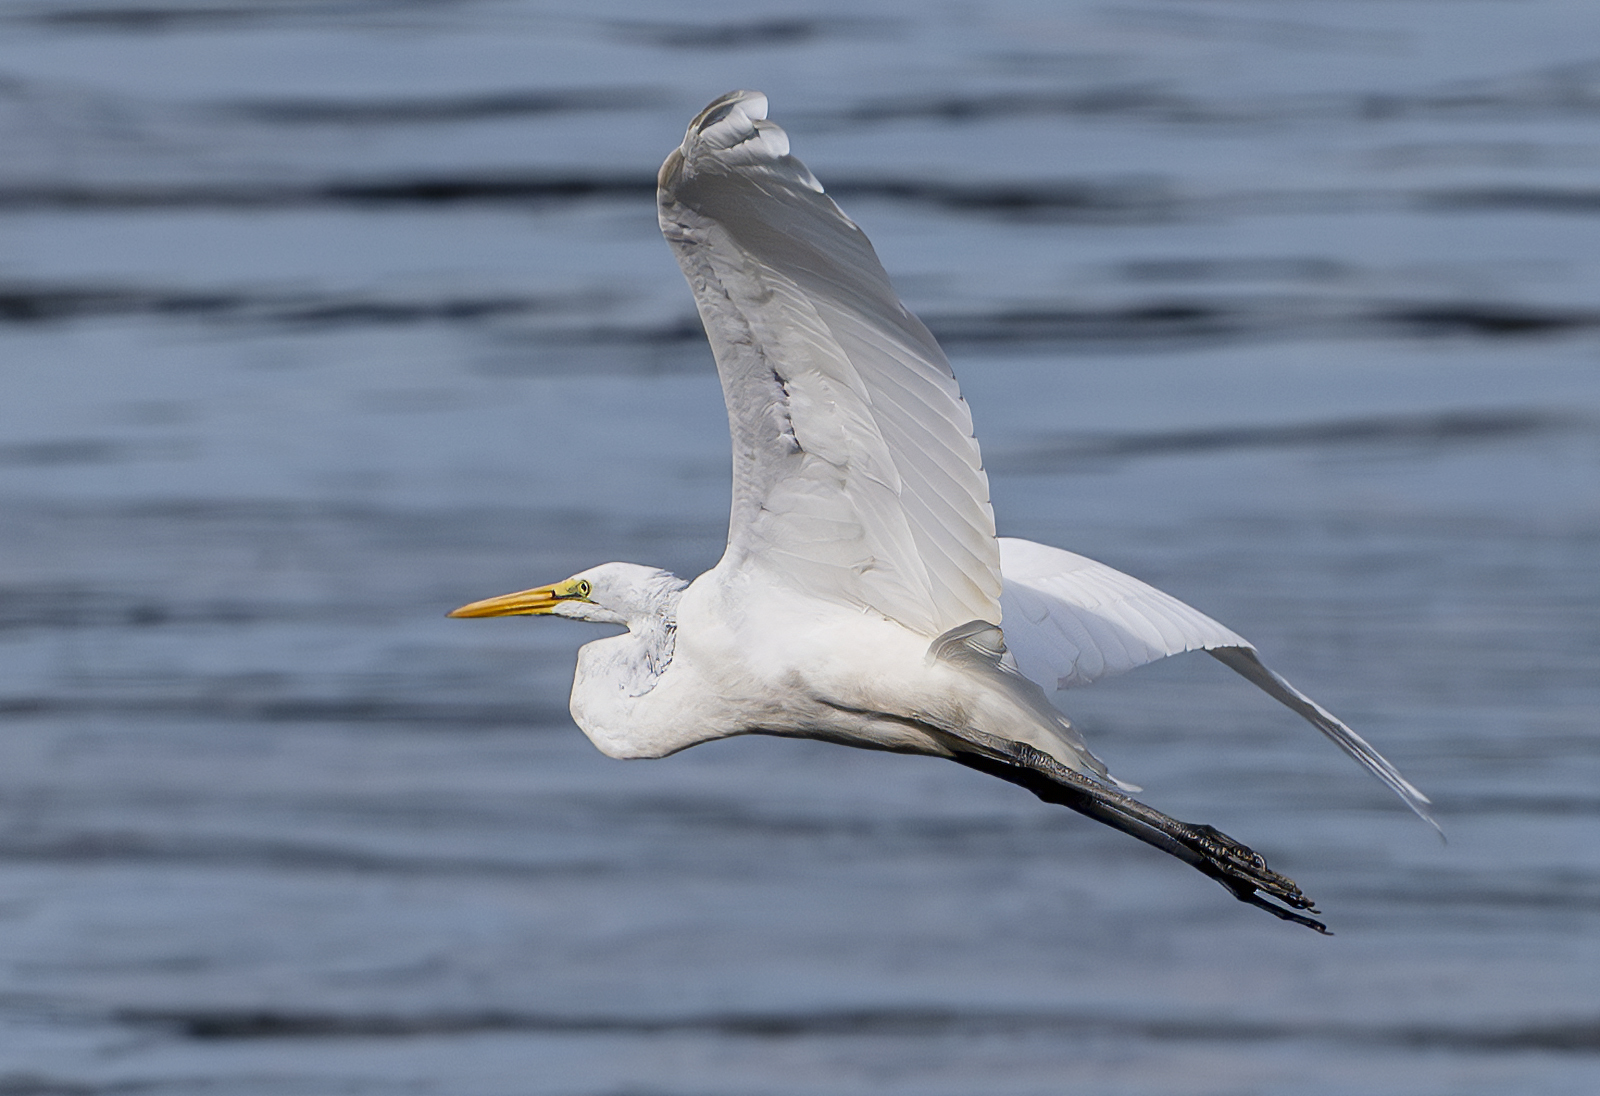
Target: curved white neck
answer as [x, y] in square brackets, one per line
[616, 675]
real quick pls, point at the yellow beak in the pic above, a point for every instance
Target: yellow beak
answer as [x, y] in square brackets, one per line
[542, 599]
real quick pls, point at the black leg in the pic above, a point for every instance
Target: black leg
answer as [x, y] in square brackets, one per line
[1236, 867]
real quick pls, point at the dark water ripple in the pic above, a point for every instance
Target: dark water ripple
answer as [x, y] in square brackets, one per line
[1123, 201]
[1574, 1036]
[276, 856]
[1234, 319]
[734, 34]
[146, 18]
[1238, 319]
[1128, 201]
[85, 607]
[438, 110]
[1582, 201]
[228, 701]
[1560, 91]
[1449, 428]
[425, 191]
[58, 303]
[80, 451]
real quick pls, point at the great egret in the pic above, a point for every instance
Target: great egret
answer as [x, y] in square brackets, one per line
[861, 596]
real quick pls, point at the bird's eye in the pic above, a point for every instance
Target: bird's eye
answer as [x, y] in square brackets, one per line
[584, 587]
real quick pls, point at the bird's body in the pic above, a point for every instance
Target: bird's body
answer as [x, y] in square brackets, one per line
[864, 597]
[724, 656]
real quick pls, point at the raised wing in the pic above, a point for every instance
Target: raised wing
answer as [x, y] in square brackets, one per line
[1070, 621]
[855, 473]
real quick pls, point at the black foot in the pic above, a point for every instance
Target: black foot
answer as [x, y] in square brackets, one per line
[1246, 874]
[1208, 850]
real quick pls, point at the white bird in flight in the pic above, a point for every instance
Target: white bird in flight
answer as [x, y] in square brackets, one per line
[864, 597]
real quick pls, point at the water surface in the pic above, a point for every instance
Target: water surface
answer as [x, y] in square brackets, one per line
[320, 318]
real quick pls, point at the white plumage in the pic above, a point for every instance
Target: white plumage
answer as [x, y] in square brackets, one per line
[863, 597]
[855, 472]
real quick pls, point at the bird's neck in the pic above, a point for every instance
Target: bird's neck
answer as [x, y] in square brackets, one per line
[650, 643]
[629, 666]
[614, 694]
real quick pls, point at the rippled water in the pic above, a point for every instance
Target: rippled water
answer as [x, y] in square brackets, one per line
[319, 318]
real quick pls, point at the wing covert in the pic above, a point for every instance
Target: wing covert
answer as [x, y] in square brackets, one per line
[1070, 621]
[856, 476]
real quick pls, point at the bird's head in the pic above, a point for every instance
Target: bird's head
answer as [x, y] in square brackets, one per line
[612, 593]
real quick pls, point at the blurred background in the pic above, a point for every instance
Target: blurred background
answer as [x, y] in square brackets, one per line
[321, 317]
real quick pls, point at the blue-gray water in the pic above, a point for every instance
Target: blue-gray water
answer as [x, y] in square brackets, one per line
[319, 318]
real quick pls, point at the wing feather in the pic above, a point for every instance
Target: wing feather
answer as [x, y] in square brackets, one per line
[855, 472]
[1071, 621]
